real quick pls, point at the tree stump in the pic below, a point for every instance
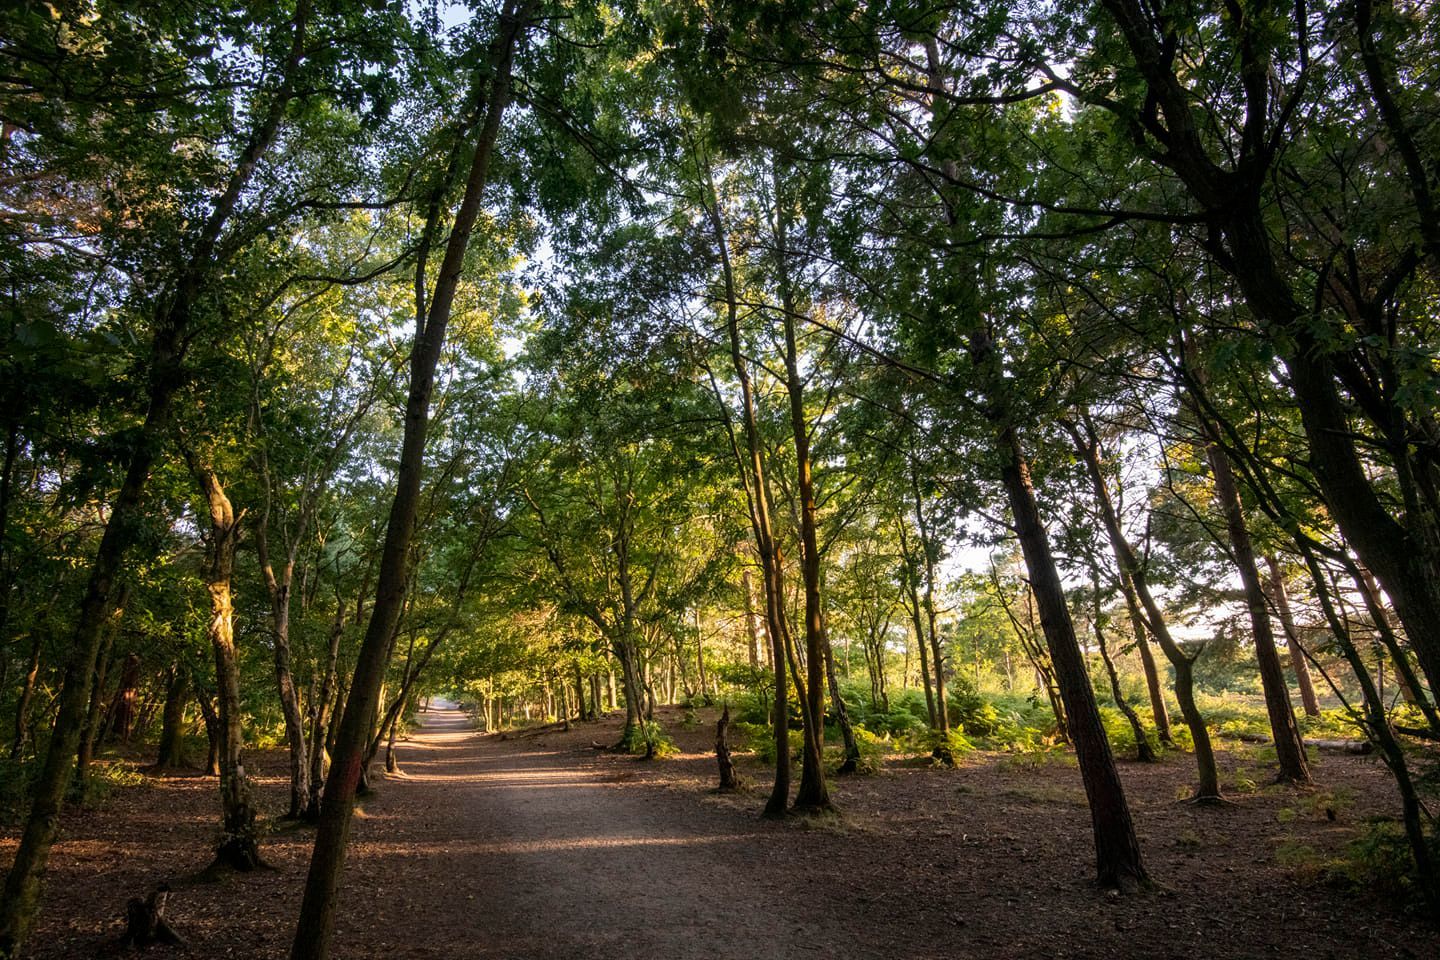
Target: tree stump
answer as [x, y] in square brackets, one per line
[145, 923]
[728, 780]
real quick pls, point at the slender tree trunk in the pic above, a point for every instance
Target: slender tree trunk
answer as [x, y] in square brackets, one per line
[582, 708]
[917, 622]
[927, 552]
[1385, 631]
[97, 696]
[212, 734]
[27, 696]
[317, 912]
[1158, 711]
[751, 466]
[1117, 852]
[700, 659]
[239, 847]
[842, 716]
[1289, 749]
[1298, 662]
[1144, 753]
[320, 724]
[748, 588]
[813, 795]
[289, 697]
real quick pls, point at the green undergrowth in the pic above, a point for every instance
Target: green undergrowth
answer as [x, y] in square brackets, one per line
[648, 739]
[1377, 862]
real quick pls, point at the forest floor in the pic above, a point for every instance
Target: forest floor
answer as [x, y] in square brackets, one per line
[536, 845]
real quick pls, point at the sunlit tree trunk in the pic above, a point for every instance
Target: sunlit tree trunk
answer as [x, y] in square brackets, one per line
[239, 844]
[751, 464]
[813, 794]
[927, 553]
[917, 622]
[1298, 662]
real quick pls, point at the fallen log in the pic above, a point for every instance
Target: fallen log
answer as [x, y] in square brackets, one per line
[1357, 747]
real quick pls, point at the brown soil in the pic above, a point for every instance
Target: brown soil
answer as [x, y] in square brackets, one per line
[535, 845]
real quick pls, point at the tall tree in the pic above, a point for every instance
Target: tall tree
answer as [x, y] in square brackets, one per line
[479, 129]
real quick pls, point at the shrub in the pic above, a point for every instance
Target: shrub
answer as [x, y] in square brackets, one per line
[947, 747]
[650, 740]
[873, 751]
[1380, 861]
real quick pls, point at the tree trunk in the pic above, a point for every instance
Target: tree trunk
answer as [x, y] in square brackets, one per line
[323, 712]
[121, 721]
[1298, 662]
[927, 552]
[751, 466]
[1409, 683]
[239, 847]
[1118, 861]
[1158, 711]
[289, 698]
[317, 911]
[392, 763]
[212, 735]
[700, 660]
[1289, 749]
[813, 795]
[747, 587]
[93, 715]
[917, 622]
[171, 752]
[1144, 753]
[27, 696]
[582, 708]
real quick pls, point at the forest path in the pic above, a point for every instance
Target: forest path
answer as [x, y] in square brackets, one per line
[497, 847]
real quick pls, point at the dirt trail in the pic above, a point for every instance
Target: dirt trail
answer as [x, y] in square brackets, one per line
[524, 850]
